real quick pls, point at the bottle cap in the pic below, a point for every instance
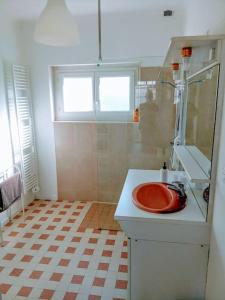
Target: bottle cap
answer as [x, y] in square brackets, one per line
[186, 52]
[175, 66]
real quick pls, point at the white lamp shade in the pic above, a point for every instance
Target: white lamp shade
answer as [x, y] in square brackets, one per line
[56, 26]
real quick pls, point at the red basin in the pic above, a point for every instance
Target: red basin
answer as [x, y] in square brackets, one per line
[156, 197]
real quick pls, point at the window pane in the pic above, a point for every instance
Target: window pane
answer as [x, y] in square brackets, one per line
[78, 94]
[114, 93]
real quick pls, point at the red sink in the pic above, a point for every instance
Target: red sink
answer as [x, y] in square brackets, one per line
[156, 197]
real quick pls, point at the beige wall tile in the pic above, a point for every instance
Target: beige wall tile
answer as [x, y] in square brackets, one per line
[93, 158]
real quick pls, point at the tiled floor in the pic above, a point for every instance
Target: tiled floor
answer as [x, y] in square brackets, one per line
[46, 256]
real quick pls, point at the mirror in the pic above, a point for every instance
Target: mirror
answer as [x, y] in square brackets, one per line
[201, 110]
[200, 125]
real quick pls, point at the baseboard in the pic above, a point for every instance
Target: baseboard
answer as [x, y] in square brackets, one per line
[52, 197]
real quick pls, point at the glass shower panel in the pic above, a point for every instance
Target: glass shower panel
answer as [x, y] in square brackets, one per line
[124, 145]
[93, 156]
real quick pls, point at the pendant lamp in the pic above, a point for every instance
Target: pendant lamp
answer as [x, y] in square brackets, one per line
[56, 26]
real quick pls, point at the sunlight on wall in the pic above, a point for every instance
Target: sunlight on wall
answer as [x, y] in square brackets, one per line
[5, 142]
[5, 149]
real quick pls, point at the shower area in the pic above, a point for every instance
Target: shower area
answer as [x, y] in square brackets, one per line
[93, 157]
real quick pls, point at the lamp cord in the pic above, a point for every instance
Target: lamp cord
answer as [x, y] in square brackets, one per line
[99, 32]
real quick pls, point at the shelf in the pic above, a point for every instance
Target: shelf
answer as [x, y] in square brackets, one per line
[196, 42]
[203, 161]
[194, 171]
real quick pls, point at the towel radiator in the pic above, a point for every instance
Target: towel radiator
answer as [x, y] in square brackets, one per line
[21, 124]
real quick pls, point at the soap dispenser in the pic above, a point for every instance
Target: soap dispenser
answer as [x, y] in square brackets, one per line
[164, 173]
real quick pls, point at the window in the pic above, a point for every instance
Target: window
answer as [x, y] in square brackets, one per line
[77, 88]
[94, 94]
[114, 93]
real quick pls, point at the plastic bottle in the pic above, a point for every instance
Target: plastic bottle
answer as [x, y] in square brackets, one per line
[136, 115]
[164, 173]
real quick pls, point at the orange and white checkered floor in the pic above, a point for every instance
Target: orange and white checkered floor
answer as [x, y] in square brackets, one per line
[46, 256]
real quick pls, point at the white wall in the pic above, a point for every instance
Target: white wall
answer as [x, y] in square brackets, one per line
[9, 52]
[5, 150]
[9, 46]
[205, 17]
[123, 36]
[216, 270]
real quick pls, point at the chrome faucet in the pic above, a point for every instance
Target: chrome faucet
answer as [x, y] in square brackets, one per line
[178, 187]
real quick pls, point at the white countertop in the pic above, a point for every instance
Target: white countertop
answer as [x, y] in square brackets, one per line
[126, 210]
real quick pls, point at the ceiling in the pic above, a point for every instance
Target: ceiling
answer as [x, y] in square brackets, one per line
[31, 9]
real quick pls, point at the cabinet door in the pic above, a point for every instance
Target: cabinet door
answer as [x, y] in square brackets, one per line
[167, 271]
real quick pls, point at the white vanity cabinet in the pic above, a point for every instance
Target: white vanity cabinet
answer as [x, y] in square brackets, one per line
[163, 270]
[168, 253]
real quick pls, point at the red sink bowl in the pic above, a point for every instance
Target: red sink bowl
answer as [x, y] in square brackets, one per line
[156, 197]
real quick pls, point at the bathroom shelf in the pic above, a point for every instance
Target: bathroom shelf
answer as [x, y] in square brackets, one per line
[200, 45]
[194, 171]
[203, 161]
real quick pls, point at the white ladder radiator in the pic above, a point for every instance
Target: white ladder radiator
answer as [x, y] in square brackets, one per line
[21, 124]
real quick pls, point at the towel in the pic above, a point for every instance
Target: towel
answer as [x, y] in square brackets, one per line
[10, 191]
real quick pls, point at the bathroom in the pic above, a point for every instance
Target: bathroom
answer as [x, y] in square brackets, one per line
[45, 253]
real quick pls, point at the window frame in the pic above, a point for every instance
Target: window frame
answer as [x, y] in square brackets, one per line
[59, 73]
[60, 114]
[114, 115]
